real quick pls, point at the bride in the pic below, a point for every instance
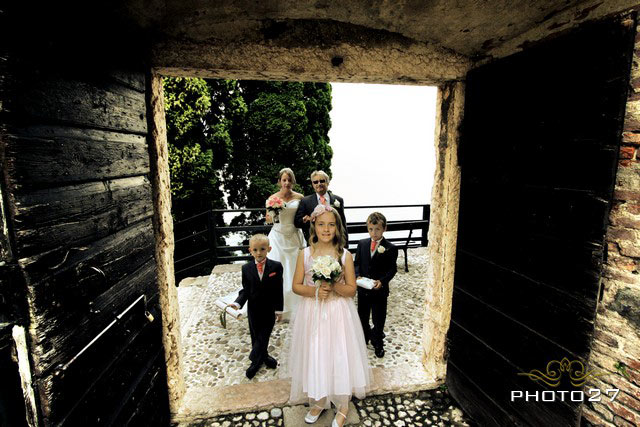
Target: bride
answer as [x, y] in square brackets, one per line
[285, 239]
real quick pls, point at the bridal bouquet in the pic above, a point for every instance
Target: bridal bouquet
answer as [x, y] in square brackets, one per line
[274, 205]
[325, 269]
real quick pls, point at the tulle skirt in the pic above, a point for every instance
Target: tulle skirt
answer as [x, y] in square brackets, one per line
[328, 355]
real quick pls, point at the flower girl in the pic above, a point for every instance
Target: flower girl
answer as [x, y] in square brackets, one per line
[328, 357]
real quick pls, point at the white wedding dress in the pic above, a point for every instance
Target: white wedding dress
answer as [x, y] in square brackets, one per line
[286, 241]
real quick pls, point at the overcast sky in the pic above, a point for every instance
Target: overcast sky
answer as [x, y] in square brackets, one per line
[382, 139]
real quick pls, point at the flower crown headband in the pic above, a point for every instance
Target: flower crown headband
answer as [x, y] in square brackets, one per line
[319, 210]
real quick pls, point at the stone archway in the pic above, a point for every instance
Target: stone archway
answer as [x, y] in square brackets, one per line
[442, 238]
[279, 40]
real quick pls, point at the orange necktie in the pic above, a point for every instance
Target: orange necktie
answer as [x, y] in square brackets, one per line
[322, 200]
[373, 245]
[261, 266]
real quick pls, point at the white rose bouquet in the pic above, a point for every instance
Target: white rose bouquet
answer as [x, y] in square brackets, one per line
[274, 205]
[325, 269]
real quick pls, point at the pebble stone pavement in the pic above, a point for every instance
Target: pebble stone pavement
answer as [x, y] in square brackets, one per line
[422, 408]
[215, 357]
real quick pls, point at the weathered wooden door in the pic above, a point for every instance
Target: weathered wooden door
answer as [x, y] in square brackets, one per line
[78, 203]
[538, 160]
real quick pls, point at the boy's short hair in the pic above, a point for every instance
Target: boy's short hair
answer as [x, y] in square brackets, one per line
[377, 217]
[256, 238]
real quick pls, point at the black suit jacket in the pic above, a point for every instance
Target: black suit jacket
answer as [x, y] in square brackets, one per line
[382, 266]
[309, 203]
[264, 296]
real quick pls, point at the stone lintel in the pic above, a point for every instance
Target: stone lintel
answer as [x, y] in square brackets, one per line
[392, 62]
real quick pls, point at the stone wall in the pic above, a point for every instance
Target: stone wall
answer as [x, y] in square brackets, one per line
[164, 241]
[616, 346]
[443, 230]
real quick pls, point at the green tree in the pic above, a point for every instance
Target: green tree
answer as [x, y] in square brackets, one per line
[229, 138]
[200, 124]
[286, 125]
[202, 118]
[233, 136]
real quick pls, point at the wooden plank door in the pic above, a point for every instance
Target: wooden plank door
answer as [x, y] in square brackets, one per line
[538, 159]
[79, 202]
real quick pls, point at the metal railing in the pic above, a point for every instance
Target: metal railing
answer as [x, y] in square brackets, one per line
[198, 248]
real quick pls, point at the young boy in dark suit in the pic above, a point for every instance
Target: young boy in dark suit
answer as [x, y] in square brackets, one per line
[376, 259]
[262, 287]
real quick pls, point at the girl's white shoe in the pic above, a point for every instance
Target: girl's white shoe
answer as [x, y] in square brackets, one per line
[334, 423]
[310, 418]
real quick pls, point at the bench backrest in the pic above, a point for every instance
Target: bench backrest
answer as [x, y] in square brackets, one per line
[410, 226]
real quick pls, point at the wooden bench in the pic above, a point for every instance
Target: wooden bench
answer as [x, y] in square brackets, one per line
[403, 243]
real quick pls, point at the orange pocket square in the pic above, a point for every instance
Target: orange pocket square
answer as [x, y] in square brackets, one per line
[272, 274]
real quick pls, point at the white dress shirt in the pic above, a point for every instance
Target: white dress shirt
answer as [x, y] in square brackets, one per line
[327, 199]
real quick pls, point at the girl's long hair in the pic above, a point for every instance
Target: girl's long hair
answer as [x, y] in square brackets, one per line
[339, 240]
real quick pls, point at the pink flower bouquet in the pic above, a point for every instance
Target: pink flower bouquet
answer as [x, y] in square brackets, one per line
[274, 205]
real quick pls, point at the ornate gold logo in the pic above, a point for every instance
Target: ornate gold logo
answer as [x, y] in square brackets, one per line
[578, 374]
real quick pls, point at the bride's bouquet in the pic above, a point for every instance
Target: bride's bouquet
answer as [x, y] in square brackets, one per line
[274, 205]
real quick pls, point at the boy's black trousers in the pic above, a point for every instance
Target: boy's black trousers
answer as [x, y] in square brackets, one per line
[372, 305]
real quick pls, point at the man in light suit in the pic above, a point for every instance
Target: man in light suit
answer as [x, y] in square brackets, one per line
[320, 181]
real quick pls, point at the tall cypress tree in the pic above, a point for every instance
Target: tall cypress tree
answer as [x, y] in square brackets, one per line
[286, 125]
[228, 136]
[200, 118]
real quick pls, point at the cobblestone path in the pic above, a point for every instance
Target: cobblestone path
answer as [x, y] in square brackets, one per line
[217, 357]
[423, 408]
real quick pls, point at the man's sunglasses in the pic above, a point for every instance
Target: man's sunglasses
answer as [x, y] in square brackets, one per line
[321, 181]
